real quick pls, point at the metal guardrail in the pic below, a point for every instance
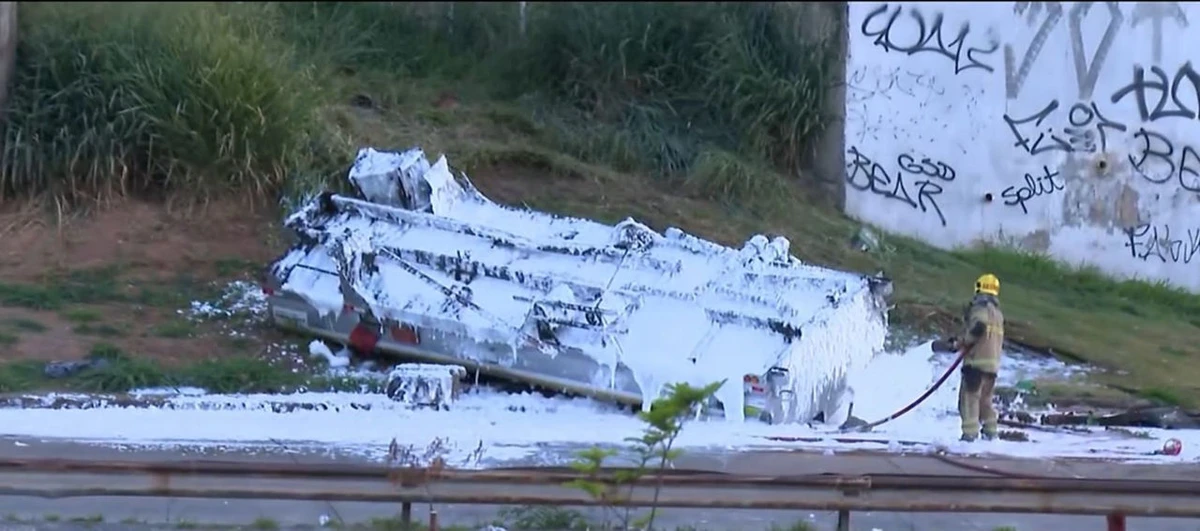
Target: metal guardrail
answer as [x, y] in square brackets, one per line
[57, 478]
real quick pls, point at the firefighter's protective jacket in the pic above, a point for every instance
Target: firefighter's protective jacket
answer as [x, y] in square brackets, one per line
[983, 334]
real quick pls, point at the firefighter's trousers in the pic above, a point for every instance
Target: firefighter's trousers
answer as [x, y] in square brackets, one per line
[975, 403]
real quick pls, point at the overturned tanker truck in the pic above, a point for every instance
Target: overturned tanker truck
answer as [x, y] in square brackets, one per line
[423, 268]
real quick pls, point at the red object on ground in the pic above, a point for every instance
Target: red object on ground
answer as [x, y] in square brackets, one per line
[363, 339]
[1172, 447]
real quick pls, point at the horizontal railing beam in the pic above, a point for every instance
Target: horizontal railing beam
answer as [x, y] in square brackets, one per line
[57, 478]
[506, 492]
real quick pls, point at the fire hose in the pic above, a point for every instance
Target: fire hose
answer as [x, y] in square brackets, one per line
[919, 399]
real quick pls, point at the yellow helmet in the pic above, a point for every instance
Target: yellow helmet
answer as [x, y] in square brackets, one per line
[988, 284]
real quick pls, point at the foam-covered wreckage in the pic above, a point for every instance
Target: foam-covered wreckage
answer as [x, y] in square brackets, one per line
[423, 267]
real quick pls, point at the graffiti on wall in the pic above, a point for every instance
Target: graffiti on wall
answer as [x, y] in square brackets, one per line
[919, 33]
[1154, 93]
[1146, 242]
[1160, 161]
[925, 177]
[1047, 16]
[1032, 187]
[1175, 96]
[1102, 126]
[1163, 96]
[1015, 75]
[1087, 130]
[1157, 13]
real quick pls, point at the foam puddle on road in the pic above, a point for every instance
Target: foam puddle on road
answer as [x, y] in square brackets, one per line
[522, 426]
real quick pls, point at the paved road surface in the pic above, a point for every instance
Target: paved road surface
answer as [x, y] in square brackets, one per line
[163, 513]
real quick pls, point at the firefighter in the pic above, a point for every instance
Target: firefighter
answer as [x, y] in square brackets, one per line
[980, 346]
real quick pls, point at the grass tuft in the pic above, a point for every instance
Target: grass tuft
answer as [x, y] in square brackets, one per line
[241, 375]
[118, 98]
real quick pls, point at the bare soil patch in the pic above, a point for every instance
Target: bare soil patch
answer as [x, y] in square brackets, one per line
[142, 237]
[124, 276]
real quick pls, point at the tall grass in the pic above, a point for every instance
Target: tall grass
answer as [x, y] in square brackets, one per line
[684, 78]
[658, 87]
[118, 98]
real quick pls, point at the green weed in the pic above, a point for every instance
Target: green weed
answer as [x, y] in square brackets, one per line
[22, 324]
[538, 517]
[175, 329]
[107, 352]
[122, 375]
[241, 375]
[98, 330]
[81, 315]
[1163, 396]
[18, 376]
[264, 524]
[798, 526]
[85, 286]
[92, 519]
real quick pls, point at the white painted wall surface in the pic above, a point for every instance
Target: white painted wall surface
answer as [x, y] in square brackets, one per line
[1021, 123]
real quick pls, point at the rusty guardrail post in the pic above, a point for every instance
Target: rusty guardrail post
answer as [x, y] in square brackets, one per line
[8, 50]
[1116, 522]
[406, 513]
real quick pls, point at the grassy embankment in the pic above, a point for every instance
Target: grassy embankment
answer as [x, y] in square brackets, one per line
[693, 116]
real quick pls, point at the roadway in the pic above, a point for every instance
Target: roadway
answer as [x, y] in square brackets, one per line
[29, 514]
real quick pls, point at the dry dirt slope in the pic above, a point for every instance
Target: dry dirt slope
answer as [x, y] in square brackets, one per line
[120, 276]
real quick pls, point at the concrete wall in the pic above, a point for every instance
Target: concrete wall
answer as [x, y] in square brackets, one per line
[1071, 128]
[822, 166]
[8, 48]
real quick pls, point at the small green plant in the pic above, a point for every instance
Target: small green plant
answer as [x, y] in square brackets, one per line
[16, 376]
[352, 384]
[91, 519]
[84, 286]
[409, 465]
[241, 375]
[108, 352]
[175, 329]
[98, 330]
[264, 524]
[534, 517]
[1162, 396]
[123, 375]
[798, 526]
[235, 267]
[25, 325]
[81, 315]
[653, 452]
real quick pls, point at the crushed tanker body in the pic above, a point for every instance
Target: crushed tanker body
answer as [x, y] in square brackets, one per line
[425, 268]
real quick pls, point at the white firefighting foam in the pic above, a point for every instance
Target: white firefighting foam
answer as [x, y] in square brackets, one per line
[526, 426]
